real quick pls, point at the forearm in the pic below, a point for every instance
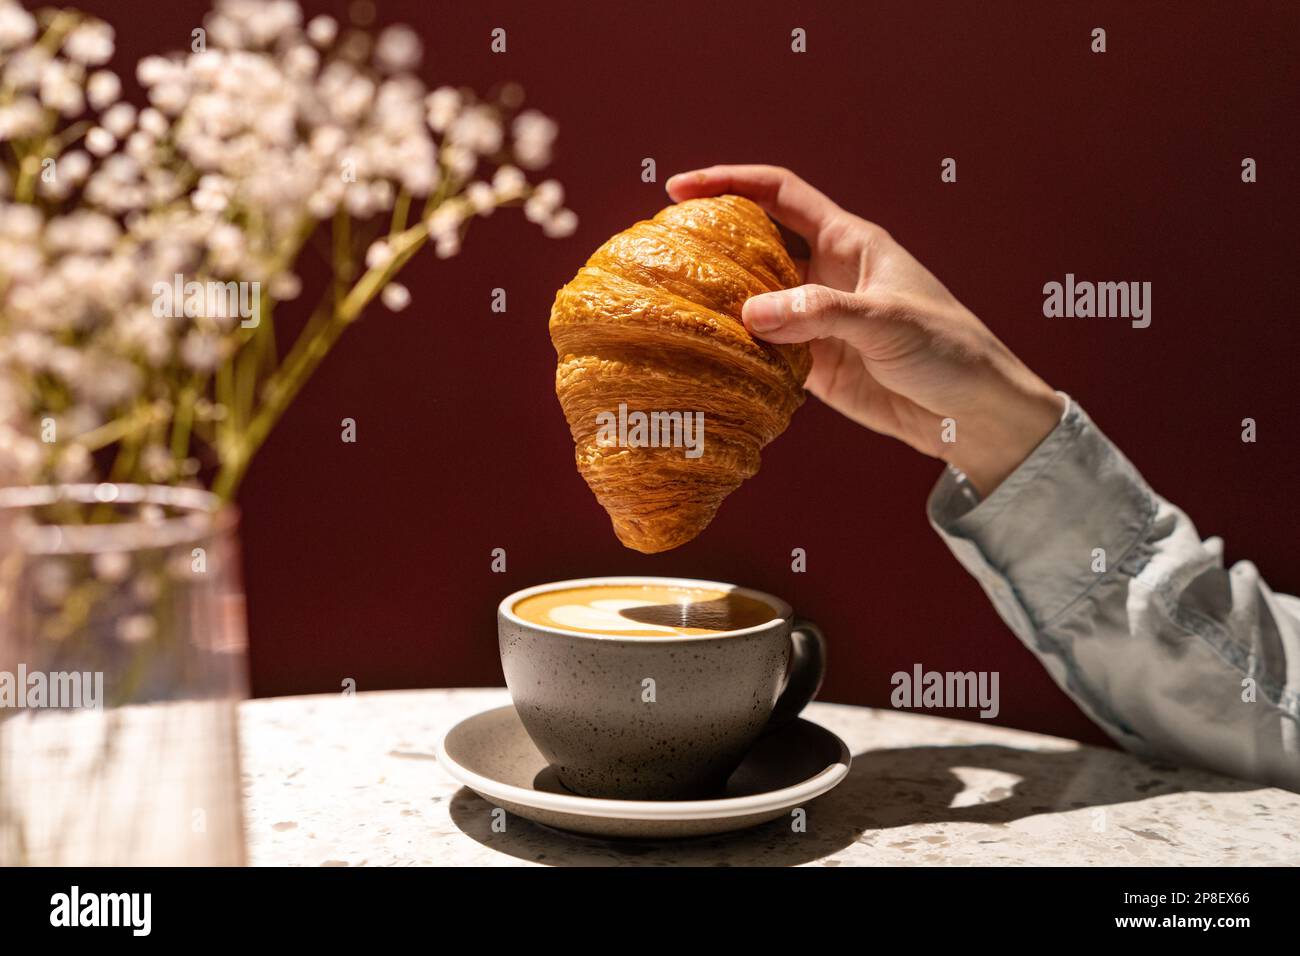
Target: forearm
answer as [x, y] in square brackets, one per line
[1132, 614]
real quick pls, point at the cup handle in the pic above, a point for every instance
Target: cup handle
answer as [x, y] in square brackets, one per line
[807, 668]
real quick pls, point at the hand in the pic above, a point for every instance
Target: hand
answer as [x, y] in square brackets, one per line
[892, 349]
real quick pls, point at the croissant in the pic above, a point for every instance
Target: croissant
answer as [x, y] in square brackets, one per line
[668, 397]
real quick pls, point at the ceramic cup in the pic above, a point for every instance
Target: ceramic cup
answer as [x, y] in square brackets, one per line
[662, 717]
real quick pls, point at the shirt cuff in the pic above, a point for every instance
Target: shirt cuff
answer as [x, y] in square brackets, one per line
[1074, 509]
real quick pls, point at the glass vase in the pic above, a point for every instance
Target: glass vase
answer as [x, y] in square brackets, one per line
[122, 661]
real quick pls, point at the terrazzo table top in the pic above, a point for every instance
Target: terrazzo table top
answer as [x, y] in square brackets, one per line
[352, 780]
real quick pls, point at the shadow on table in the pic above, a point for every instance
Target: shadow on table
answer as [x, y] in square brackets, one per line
[885, 789]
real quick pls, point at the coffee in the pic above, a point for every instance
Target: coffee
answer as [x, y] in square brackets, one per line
[653, 688]
[644, 610]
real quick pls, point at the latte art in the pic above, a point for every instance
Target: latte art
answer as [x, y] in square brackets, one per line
[603, 616]
[645, 610]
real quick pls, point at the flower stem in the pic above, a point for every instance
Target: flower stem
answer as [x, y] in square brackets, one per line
[307, 352]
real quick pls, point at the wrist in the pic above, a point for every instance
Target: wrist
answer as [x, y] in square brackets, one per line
[994, 441]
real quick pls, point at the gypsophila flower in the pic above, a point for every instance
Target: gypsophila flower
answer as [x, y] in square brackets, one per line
[481, 197]
[398, 48]
[447, 246]
[119, 119]
[446, 220]
[73, 465]
[476, 129]
[103, 89]
[286, 287]
[201, 351]
[17, 26]
[322, 30]
[90, 43]
[562, 224]
[60, 88]
[395, 297]
[100, 141]
[534, 136]
[51, 580]
[136, 628]
[508, 183]
[111, 566]
[275, 130]
[443, 104]
[378, 255]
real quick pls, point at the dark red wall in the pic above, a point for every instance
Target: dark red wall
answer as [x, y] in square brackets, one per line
[371, 560]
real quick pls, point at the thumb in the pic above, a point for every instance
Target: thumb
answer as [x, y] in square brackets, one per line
[804, 313]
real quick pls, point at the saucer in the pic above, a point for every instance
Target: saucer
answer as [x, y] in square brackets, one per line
[492, 754]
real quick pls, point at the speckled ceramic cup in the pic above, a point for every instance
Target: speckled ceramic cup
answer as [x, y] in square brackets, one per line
[655, 717]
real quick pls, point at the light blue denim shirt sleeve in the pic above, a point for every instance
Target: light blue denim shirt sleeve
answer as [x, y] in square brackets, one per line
[1132, 614]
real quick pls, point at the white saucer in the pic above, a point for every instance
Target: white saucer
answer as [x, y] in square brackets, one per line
[493, 755]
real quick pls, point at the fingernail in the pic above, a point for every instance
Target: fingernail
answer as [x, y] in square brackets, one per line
[677, 179]
[763, 313]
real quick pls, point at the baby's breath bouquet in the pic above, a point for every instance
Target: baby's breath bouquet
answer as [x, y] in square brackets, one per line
[144, 252]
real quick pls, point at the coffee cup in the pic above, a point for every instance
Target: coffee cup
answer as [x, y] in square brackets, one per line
[653, 688]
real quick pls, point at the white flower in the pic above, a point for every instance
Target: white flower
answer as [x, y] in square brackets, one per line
[285, 287]
[119, 119]
[242, 145]
[153, 70]
[395, 296]
[24, 67]
[100, 141]
[550, 193]
[73, 166]
[136, 628]
[534, 135]
[52, 579]
[379, 255]
[106, 380]
[301, 62]
[447, 246]
[61, 88]
[446, 220]
[398, 48]
[562, 224]
[482, 197]
[213, 195]
[460, 162]
[17, 26]
[322, 205]
[322, 30]
[476, 129]
[153, 123]
[157, 463]
[169, 98]
[443, 104]
[508, 183]
[20, 222]
[111, 566]
[201, 351]
[82, 231]
[544, 201]
[74, 464]
[103, 89]
[23, 118]
[90, 42]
